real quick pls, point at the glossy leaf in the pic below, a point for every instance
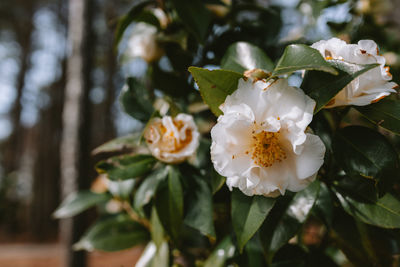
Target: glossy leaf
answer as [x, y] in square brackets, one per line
[322, 86]
[169, 203]
[248, 214]
[215, 85]
[126, 167]
[153, 256]
[217, 181]
[200, 208]
[385, 212]
[287, 216]
[224, 251]
[136, 100]
[194, 16]
[113, 234]
[242, 56]
[157, 231]
[121, 189]
[385, 113]
[129, 142]
[362, 151]
[301, 57]
[79, 201]
[148, 187]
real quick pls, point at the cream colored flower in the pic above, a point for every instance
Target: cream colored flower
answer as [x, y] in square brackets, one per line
[260, 143]
[143, 43]
[172, 140]
[369, 87]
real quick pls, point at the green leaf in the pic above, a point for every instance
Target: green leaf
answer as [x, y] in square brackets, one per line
[126, 167]
[323, 207]
[148, 187]
[385, 212]
[362, 151]
[287, 216]
[157, 231]
[133, 14]
[200, 208]
[322, 87]
[113, 234]
[194, 16]
[77, 202]
[224, 251]
[129, 142]
[136, 101]
[385, 113]
[215, 86]
[169, 203]
[248, 214]
[301, 57]
[242, 56]
[217, 181]
[121, 189]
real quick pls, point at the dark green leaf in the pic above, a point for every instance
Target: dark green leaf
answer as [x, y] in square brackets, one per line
[136, 100]
[127, 19]
[215, 85]
[290, 255]
[113, 234]
[126, 167]
[78, 202]
[224, 251]
[254, 252]
[385, 212]
[301, 57]
[323, 207]
[242, 56]
[385, 113]
[248, 213]
[322, 86]
[172, 83]
[169, 203]
[148, 187]
[362, 151]
[200, 208]
[126, 142]
[217, 181]
[194, 16]
[287, 216]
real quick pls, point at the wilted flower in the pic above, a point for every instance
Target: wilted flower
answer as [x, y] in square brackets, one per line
[143, 43]
[369, 87]
[260, 143]
[172, 140]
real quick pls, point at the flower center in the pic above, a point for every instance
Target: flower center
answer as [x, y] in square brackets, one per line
[266, 149]
[171, 143]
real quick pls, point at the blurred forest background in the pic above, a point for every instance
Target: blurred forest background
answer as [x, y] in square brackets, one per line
[34, 51]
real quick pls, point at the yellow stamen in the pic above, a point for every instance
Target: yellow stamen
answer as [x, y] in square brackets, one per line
[266, 149]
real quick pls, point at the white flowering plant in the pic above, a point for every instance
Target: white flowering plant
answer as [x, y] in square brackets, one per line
[237, 165]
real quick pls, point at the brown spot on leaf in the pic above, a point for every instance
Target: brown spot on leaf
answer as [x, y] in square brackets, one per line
[213, 86]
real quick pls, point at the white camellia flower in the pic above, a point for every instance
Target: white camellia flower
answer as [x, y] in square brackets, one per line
[260, 143]
[172, 140]
[143, 43]
[367, 88]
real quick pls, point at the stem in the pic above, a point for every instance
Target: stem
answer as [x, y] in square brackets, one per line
[134, 216]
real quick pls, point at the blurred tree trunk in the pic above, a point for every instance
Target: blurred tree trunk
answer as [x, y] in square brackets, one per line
[23, 28]
[46, 191]
[75, 146]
